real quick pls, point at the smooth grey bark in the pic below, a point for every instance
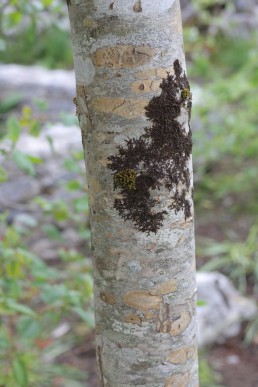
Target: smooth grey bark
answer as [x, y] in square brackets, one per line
[145, 291]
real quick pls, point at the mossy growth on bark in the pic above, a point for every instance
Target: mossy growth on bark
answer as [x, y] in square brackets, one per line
[159, 157]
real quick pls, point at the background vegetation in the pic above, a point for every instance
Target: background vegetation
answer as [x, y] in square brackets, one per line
[36, 298]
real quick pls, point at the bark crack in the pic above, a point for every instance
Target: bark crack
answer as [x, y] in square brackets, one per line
[137, 51]
[99, 353]
[118, 106]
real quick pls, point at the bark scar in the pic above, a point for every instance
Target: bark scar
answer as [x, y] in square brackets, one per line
[99, 353]
[163, 323]
[137, 51]
[137, 6]
[86, 98]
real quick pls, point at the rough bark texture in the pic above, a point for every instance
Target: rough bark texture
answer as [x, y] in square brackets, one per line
[133, 102]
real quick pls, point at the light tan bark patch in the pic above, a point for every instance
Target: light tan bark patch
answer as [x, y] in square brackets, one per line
[192, 352]
[123, 56]
[133, 319]
[104, 162]
[154, 72]
[89, 23]
[108, 298]
[95, 186]
[164, 288]
[145, 74]
[150, 316]
[178, 357]
[178, 380]
[176, 22]
[142, 300]
[145, 86]
[178, 326]
[162, 72]
[129, 108]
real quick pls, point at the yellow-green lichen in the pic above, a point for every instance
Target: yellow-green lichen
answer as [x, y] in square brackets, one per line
[125, 179]
[186, 93]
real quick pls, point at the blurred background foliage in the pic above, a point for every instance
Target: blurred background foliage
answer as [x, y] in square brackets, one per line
[39, 303]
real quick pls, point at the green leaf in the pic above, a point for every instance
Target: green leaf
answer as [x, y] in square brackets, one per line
[85, 233]
[72, 165]
[41, 103]
[19, 372]
[35, 159]
[60, 211]
[88, 283]
[14, 287]
[54, 293]
[12, 237]
[53, 232]
[81, 204]
[69, 119]
[41, 272]
[16, 307]
[3, 175]
[24, 162]
[51, 143]
[14, 18]
[86, 316]
[201, 303]
[13, 269]
[215, 264]
[73, 185]
[34, 128]
[13, 129]
[10, 102]
[28, 327]
[4, 339]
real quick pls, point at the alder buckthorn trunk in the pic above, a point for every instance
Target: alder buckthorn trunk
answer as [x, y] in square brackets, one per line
[134, 103]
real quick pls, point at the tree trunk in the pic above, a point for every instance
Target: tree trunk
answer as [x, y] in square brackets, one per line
[133, 103]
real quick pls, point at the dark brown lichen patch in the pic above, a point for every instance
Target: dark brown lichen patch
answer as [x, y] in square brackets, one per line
[159, 157]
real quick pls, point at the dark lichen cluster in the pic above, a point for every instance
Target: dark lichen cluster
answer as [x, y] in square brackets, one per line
[157, 158]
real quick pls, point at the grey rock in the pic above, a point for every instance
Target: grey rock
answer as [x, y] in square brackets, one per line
[224, 308]
[65, 139]
[20, 190]
[72, 237]
[189, 11]
[55, 87]
[19, 76]
[240, 25]
[45, 248]
[245, 5]
[23, 220]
